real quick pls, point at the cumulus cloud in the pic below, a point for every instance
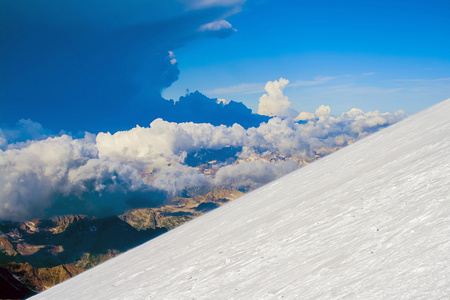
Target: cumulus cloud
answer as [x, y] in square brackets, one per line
[323, 112]
[274, 102]
[108, 173]
[98, 65]
[305, 116]
[62, 175]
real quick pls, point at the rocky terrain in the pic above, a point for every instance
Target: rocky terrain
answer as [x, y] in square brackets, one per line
[38, 254]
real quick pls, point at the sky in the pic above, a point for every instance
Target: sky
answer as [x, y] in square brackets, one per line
[87, 65]
[384, 55]
[103, 101]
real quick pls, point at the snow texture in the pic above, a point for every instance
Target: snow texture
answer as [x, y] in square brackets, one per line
[371, 221]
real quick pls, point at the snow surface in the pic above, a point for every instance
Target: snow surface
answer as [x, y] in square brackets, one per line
[371, 221]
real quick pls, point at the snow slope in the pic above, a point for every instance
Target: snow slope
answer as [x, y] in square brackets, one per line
[371, 221]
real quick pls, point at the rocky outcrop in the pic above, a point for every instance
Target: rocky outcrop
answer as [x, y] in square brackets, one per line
[41, 253]
[179, 211]
[40, 279]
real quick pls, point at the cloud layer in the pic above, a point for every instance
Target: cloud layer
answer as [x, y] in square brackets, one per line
[107, 173]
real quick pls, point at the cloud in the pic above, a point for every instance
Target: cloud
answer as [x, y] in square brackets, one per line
[305, 116]
[218, 28]
[253, 173]
[215, 26]
[360, 91]
[323, 113]
[177, 178]
[22, 131]
[222, 101]
[172, 58]
[244, 89]
[198, 108]
[317, 81]
[274, 102]
[108, 173]
[3, 140]
[63, 175]
[418, 80]
[97, 65]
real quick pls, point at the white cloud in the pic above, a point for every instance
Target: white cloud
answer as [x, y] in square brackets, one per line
[172, 58]
[215, 26]
[253, 173]
[177, 178]
[274, 102]
[63, 174]
[222, 101]
[305, 116]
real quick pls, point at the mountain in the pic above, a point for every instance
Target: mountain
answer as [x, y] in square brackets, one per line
[65, 239]
[371, 221]
[38, 254]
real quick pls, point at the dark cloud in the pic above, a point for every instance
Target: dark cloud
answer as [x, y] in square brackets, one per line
[198, 108]
[96, 65]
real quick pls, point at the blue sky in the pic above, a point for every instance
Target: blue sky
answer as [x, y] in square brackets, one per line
[384, 55]
[101, 65]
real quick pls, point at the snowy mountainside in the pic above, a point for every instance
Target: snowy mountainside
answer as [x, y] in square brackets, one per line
[371, 221]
